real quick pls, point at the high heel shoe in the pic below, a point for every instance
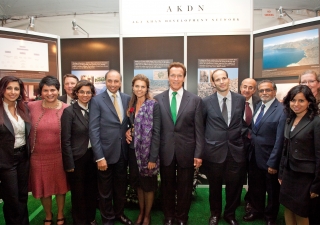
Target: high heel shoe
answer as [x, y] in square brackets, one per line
[60, 220]
[47, 221]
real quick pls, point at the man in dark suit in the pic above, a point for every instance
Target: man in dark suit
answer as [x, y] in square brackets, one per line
[181, 145]
[264, 158]
[248, 88]
[69, 82]
[224, 154]
[107, 126]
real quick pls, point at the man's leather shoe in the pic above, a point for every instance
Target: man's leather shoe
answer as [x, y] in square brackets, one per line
[168, 222]
[251, 217]
[248, 207]
[125, 220]
[271, 222]
[214, 220]
[231, 220]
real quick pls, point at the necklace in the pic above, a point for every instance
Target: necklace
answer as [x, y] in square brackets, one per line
[44, 104]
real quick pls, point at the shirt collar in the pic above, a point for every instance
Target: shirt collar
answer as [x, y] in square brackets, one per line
[179, 92]
[250, 100]
[82, 106]
[228, 96]
[111, 94]
[269, 103]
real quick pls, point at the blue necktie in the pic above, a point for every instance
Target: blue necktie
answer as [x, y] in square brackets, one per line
[258, 120]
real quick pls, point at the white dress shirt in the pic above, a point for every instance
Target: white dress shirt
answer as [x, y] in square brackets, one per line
[267, 106]
[228, 102]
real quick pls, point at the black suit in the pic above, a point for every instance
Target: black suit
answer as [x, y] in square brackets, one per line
[267, 144]
[14, 174]
[224, 153]
[63, 98]
[77, 156]
[107, 137]
[180, 143]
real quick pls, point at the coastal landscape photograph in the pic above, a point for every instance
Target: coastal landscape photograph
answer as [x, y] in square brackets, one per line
[296, 49]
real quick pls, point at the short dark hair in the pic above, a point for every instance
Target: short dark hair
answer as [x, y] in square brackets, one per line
[306, 91]
[49, 81]
[179, 65]
[70, 75]
[217, 71]
[79, 85]
[112, 70]
[274, 86]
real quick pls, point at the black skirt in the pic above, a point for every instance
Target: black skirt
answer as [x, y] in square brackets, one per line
[295, 191]
[147, 184]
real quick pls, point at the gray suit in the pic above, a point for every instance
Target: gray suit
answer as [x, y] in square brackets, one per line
[107, 137]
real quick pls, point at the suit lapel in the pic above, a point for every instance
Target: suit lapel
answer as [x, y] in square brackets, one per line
[184, 102]
[80, 115]
[109, 103]
[7, 123]
[166, 103]
[215, 104]
[302, 123]
[271, 109]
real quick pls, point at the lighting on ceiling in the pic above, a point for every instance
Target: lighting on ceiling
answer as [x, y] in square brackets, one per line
[75, 26]
[283, 13]
[31, 23]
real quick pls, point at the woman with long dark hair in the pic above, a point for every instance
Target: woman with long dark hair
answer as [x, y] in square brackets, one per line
[299, 174]
[78, 156]
[14, 150]
[144, 116]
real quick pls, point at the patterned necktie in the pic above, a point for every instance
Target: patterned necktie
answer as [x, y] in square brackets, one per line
[225, 110]
[258, 120]
[248, 114]
[86, 113]
[116, 106]
[173, 107]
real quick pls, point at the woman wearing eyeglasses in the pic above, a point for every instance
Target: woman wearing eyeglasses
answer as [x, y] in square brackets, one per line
[78, 156]
[310, 78]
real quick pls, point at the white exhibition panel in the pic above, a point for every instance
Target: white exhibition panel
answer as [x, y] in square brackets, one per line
[167, 16]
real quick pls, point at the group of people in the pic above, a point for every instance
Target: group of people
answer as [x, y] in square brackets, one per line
[49, 147]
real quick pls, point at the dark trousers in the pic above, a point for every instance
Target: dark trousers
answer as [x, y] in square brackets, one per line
[84, 189]
[14, 189]
[112, 185]
[232, 173]
[260, 182]
[175, 179]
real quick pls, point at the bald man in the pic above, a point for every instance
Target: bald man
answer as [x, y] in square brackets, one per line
[247, 88]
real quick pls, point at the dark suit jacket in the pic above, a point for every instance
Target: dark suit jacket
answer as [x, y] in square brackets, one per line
[74, 135]
[107, 134]
[302, 149]
[63, 98]
[219, 137]
[7, 140]
[267, 139]
[185, 138]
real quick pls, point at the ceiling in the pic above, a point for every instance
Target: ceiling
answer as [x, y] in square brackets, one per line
[41, 8]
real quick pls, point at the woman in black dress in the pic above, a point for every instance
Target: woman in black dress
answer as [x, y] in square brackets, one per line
[144, 115]
[299, 174]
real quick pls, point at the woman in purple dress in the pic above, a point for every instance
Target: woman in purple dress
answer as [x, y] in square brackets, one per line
[144, 116]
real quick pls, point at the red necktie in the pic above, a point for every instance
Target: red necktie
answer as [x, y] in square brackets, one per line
[248, 113]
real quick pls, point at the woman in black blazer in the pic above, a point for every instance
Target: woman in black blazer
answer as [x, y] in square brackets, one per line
[299, 174]
[78, 156]
[14, 150]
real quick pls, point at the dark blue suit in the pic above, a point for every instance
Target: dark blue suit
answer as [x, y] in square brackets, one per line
[266, 148]
[107, 137]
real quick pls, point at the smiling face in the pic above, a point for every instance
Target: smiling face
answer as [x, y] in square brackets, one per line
[113, 81]
[221, 81]
[140, 88]
[12, 92]
[84, 95]
[299, 104]
[49, 93]
[266, 92]
[310, 80]
[176, 78]
[69, 84]
[248, 88]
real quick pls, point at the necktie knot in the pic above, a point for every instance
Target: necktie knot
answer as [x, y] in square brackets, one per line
[174, 93]
[247, 103]
[225, 99]
[262, 106]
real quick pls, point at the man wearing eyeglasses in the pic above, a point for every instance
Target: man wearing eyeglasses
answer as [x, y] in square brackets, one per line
[248, 88]
[264, 158]
[224, 154]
